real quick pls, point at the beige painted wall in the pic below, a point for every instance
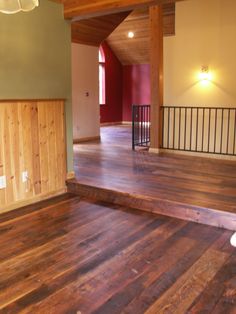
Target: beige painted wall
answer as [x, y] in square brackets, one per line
[205, 35]
[85, 80]
[35, 59]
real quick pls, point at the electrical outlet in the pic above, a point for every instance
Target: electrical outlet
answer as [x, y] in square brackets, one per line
[24, 176]
[3, 182]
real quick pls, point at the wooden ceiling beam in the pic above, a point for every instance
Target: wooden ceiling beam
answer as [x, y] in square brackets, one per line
[83, 9]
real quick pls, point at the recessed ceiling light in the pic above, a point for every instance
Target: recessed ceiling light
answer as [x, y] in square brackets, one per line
[131, 34]
[233, 239]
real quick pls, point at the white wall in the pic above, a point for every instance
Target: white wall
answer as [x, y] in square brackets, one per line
[205, 35]
[86, 115]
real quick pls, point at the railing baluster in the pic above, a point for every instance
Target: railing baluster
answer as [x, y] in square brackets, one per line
[168, 132]
[209, 130]
[133, 127]
[141, 124]
[191, 128]
[216, 111]
[185, 127]
[145, 124]
[196, 147]
[174, 130]
[137, 124]
[163, 125]
[227, 147]
[234, 132]
[179, 126]
[149, 120]
[203, 128]
[222, 124]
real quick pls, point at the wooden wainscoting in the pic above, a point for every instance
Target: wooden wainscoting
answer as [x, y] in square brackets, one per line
[32, 139]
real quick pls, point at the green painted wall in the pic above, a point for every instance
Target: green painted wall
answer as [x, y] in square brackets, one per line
[35, 59]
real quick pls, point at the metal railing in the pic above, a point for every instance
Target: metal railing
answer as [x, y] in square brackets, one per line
[140, 125]
[199, 129]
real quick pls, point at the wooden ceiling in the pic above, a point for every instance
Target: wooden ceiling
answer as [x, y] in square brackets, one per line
[136, 50]
[95, 30]
[94, 21]
[81, 9]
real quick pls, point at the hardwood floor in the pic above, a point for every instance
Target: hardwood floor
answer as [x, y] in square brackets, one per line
[72, 255]
[194, 188]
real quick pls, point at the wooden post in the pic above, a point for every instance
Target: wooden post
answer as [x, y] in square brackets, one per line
[156, 72]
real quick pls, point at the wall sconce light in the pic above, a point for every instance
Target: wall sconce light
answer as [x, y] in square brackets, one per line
[205, 75]
[14, 6]
[131, 34]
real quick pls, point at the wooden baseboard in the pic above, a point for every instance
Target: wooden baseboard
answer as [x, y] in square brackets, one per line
[33, 200]
[154, 150]
[116, 123]
[70, 175]
[196, 154]
[86, 139]
[110, 123]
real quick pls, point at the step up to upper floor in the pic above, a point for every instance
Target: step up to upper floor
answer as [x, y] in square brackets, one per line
[205, 215]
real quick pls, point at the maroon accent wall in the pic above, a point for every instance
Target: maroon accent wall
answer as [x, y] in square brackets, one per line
[112, 110]
[136, 88]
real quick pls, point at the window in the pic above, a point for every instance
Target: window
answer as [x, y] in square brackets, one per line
[102, 90]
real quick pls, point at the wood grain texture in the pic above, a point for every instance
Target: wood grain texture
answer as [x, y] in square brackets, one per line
[82, 9]
[199, 214]
[73, 255]
[156, 73]
[191, 188]
[32, 139]
[137, 50]
[94, 31]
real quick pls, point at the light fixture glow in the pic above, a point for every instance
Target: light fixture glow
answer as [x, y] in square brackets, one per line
[15, 6]
[131, 34]
[205, 75]
[233, 240]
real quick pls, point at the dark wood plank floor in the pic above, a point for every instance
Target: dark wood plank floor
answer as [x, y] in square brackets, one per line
[80, 256]
[111, 164]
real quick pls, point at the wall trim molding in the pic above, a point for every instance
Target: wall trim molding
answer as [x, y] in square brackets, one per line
[127, 122]
[86, 139]
[70, 175]
[154, 150]
[32, 200]
[197, 154]
[116, 123]
[110, 123]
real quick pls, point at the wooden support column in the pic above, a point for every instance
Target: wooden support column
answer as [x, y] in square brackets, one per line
[156, 72]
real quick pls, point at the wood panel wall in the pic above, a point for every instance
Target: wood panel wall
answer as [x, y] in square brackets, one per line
[32, 139]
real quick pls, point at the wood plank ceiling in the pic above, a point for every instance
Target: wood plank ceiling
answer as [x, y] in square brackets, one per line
[95, 30]
[81, 9]
[136, 50]
[92, 23]
[115, 28]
